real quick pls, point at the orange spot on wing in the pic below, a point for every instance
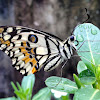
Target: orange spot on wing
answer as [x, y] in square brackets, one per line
[2, 41]
[34, 70]
[26, 59]
[26, 54]
[32, 50]
[24, 44]
[1, 30]
[23, 49]
[34, 61]
[7, 42]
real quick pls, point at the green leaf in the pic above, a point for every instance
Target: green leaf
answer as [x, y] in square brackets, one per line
[87, 94]
[19, 87]
[10, 98]
[97, 73]
[87, 77]
[78, 82]
[21, 95]
[88, 80]
[61, 84]
[43, 94]
[27, 91]
[14, 87]
[81, 67]
[28, 83]
[65, 97]
[90, 49]
[86, 73]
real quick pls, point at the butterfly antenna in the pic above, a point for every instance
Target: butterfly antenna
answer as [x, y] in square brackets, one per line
[88, 16]
[61, 73]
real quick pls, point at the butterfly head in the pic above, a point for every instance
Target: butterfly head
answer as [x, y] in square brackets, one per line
[70, 41]
[72, 38]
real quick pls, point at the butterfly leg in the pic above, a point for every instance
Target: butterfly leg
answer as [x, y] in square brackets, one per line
[61, 73]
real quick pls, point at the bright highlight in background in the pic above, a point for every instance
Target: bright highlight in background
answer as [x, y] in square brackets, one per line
[58, 94]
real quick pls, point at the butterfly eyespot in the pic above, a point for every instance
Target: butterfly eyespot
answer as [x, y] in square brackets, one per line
[33, 38]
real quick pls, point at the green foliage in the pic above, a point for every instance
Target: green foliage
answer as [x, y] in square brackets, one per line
[87, 94]
[88, 80]
[43, 94]
[81, 67]
[24, 92]
[61, 84]
[90, 49]
[77, 81]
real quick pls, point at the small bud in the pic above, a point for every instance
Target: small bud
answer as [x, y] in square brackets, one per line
[98, 72]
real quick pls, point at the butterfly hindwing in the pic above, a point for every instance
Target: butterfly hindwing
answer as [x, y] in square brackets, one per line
[30, 49]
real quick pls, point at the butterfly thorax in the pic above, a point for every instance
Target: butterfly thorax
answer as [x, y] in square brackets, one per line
[67, 46]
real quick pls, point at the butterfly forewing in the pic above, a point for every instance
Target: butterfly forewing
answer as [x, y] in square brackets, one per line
[30, 49]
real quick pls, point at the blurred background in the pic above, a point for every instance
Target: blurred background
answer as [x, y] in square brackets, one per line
[58, 17]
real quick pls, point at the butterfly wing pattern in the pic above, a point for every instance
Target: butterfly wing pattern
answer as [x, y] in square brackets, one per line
[30, 49]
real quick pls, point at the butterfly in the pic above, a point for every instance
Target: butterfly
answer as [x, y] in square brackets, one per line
[30, 49]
